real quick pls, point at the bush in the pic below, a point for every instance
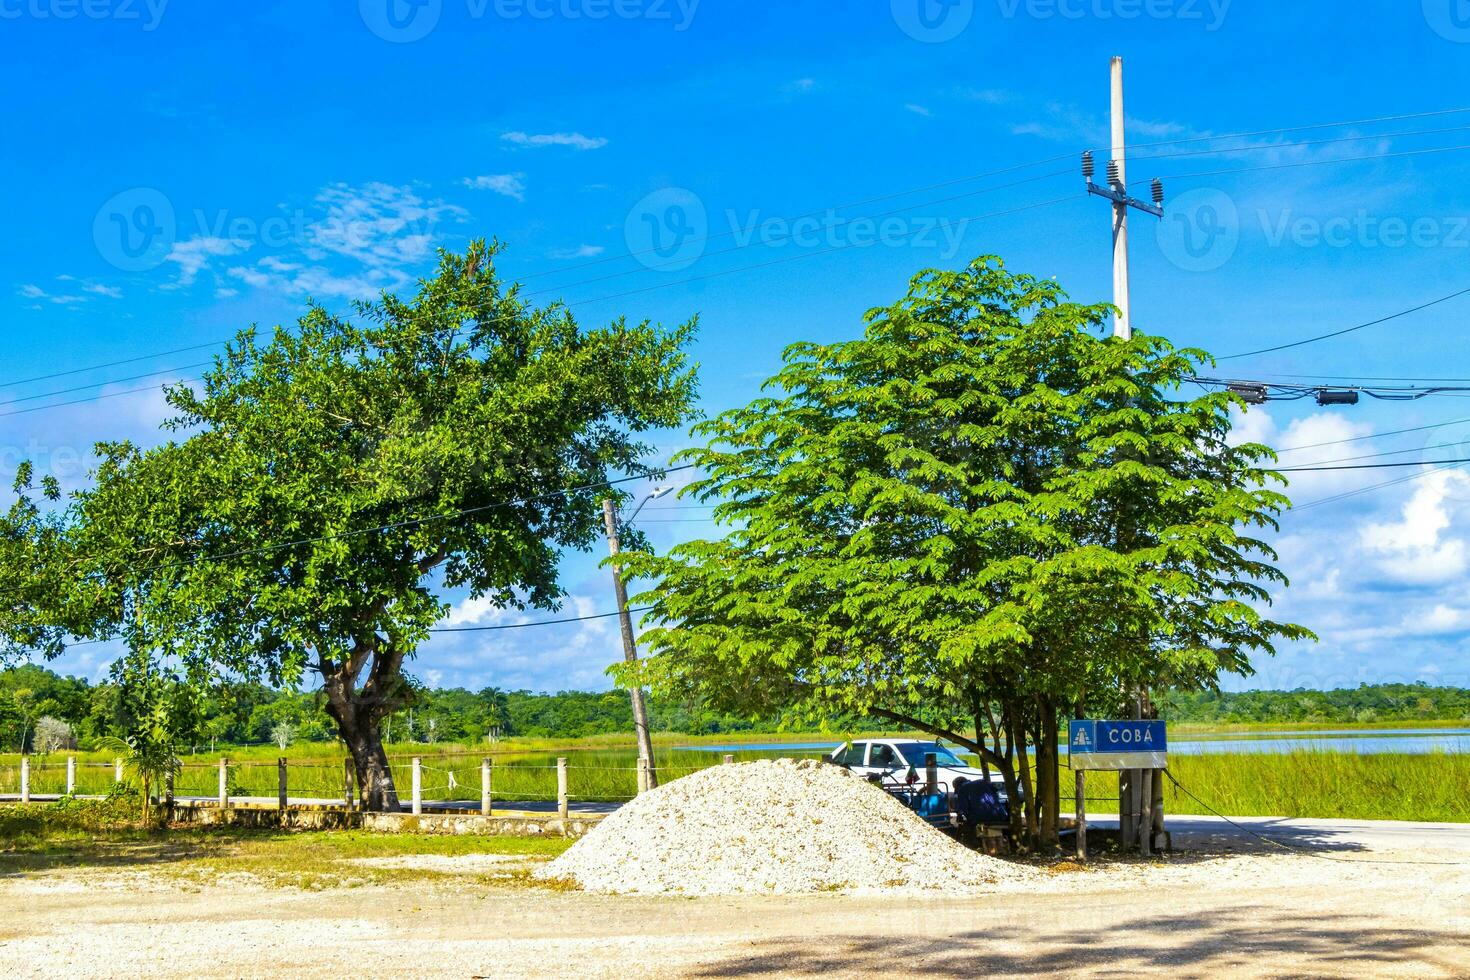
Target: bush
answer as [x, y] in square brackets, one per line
[52, 734]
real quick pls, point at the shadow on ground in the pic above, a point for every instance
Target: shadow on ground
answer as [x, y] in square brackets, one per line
[1229, 940]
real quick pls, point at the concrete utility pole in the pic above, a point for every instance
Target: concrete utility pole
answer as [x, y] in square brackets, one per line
[647, 775]
[1135, 816]
[1116, 190]
[1122, 325]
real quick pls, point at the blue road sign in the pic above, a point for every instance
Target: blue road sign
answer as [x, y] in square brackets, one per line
[1117, 745]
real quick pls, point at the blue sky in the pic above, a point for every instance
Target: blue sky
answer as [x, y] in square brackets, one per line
[176, 174]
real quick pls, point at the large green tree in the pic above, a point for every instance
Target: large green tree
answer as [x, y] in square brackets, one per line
[324, 486]
[977, 519]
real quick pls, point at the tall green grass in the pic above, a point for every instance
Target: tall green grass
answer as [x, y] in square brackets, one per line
[1306, 783]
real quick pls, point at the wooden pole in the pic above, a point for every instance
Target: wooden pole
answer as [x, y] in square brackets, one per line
[931, 773]
[347, 783]
[418, 786]
[117, 770]
[485, 787]
[224, 782]
[168, 787]
[25, 779]
[1146, 816]
[647, 775]
[1081, 815]
[71, 775]
[281, 797]
[563, 807]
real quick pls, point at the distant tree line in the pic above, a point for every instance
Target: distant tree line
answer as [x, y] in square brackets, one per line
[1365, 703]
[252, 714]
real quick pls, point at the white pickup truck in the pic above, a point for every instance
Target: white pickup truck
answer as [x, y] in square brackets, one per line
[891, 759]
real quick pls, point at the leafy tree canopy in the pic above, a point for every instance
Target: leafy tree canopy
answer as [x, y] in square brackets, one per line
[980, 511]
[324, 486]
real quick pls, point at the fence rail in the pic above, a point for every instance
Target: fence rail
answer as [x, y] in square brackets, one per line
[288, 782]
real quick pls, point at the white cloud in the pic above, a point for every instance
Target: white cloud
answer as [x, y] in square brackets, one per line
[1415, 549]
[31, 291]
[382, 231]
[192, 255]
[917, 109]
[509, 185]
[538, 140]
[802, 85]
[580, 252]
[112, 292]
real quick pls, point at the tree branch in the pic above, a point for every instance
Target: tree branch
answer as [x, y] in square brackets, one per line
[943, 733]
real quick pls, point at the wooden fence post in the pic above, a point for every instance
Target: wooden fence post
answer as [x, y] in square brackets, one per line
[485, 787]
[71, 775]
[1081, 814]
[224, 783]
[281, 798]
[563, 806]
[1146, 816]
[729, 759]
[117, 770]
[168, 788]
[25, 779]
[418, 787]
[347, 775]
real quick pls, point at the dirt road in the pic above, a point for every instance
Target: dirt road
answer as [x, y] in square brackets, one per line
[1350, 908]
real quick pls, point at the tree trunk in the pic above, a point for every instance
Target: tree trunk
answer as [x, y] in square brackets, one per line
[1016, 732]
[370, 763]
[358, 715]
[1048, 774]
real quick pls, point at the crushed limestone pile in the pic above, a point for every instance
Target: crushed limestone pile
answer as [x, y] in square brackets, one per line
[775, 827]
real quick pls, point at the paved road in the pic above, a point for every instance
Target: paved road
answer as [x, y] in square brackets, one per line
[1366, 836]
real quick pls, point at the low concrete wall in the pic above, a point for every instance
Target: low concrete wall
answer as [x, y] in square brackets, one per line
[324, 818]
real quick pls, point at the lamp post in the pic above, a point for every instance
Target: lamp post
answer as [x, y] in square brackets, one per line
[647, 776]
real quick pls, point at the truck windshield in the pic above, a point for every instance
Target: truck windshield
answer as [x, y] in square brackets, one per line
[914, 752]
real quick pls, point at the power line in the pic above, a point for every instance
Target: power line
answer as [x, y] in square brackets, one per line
[1318, 163]
[1371, 466]
[1295, 144]
[1310, 126]
[1347, 330]
[542, 622]
[99, 384]
[1377, 435]
[1369, 489]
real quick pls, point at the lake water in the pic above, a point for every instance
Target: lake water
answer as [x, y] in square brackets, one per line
[1410, 741]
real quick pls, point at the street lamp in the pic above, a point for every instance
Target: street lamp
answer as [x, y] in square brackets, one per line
[647, 775]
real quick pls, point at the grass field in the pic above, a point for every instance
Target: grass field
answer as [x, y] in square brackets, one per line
[1310, 783]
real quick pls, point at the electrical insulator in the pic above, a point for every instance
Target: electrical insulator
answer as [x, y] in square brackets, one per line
[1158, 188]
[1250, 394]
[1114, 177]
[1088, 168]
[1328, 397]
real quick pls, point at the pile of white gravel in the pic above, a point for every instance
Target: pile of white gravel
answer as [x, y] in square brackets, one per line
[773, 827]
